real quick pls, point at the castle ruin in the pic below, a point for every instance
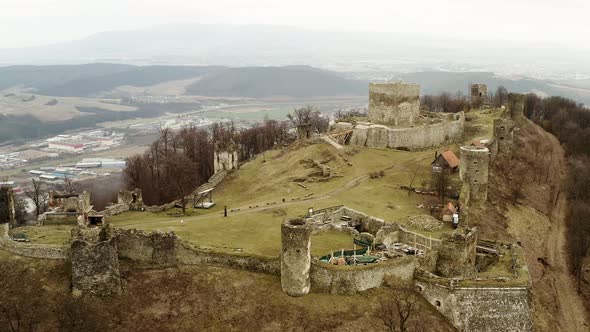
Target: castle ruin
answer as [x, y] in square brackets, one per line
[503, 135]
[516, 106]
[474, 172]
[478, 93]
[396, 121]
[95, 262]
[225, 156]
[396, 104]
[7, 209]
[295, 256]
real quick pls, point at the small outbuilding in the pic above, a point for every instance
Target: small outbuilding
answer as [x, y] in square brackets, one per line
[447, 161]
[448, 211]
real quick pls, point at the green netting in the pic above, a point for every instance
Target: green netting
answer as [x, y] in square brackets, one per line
[351, 252]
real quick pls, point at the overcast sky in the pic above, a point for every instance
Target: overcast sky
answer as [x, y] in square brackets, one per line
[41, 22]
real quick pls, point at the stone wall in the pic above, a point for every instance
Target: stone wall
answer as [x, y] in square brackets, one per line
[295, 256]
[394, 103]
[44, 251]
[95, 262]
[456, 254]
[7, 211]
[516, 106]
[342, 280]
[503, 137]
[443, 131]
[155, 248]
[478, 93]
[474, 172]
[480, 308]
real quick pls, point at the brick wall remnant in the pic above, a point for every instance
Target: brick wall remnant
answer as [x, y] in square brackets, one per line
[296, 256]
[394, 103]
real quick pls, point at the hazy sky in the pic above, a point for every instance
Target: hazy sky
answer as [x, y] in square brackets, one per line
[40, 22]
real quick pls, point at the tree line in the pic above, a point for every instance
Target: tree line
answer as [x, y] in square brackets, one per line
[178, 162]
[570, 123]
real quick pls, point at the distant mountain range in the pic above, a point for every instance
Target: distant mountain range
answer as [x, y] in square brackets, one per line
[266, 45]
[101, 79]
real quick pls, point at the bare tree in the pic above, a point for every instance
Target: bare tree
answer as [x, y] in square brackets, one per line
[501, 96]
[397, 310]
[38, 194]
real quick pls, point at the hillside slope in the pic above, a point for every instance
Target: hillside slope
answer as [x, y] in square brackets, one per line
[534, 217]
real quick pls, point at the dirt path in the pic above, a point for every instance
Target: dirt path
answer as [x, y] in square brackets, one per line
[570, 304]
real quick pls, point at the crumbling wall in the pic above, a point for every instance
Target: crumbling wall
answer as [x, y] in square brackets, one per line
[456, 254]
[420, 137]
[133, 199]
[503, 137]
[394, 103]
[7, 210]
[189, 255]
[478, 93]
[225, 156]
[348, 280]
[515, 106]
[295, 256]
[95, 262]
[155, 248]
[474, 172]
[45, 251]
[487, 309]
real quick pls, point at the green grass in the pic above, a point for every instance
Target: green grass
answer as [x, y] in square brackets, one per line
[50, 234]
[264, 182]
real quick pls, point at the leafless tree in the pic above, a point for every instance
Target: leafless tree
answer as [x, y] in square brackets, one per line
[440, 183]
[38, 194]
[397, 310]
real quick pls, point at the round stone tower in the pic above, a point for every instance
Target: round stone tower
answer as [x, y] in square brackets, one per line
[516, 106]
[503, 136]
[295, 256]
[474, 172]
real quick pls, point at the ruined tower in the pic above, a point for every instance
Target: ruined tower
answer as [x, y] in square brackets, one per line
[295, 256]
[473, 171]
[225, 156]
[456, 255]
[394, 104]
[516, 106]
[503, 137]
[478, 93]
[7, 210]
[95, 262]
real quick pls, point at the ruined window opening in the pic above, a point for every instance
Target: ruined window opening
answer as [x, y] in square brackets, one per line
[437, 303]
[134, 198]
[419, 288]
[501, 137]
[71, 210]
[475, 163]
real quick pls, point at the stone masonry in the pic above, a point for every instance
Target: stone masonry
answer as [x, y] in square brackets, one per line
[516, 106]
[95, 262]
[474, 172]
[225, 157]
[394, 103]
[503, 137]
[7, 211]
[296, 256]
[456, 255]
[478, 93]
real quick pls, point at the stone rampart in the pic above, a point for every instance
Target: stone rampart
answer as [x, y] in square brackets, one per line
[480, 308]
[414, 138]
[45, 251]
[342, 280]
[155, 248]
